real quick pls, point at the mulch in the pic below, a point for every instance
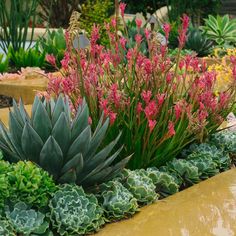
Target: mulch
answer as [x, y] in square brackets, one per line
[5, 101]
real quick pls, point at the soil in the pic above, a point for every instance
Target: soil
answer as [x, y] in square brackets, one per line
[5, 101]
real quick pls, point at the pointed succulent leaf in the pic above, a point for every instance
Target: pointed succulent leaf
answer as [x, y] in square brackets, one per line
[68, 177]
[80, 145]
[23, 112]
[51, 157]
[34, 107]
[31, 143]
[41, 122]
[61, 132]
[74, 163]
[58, 109]
[17, 113]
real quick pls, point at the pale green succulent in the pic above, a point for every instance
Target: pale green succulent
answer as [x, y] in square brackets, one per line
[205, 164]
[26, 221]
[62, 145]
[30, 184]
[185, 173]
[117, 201]
[5, 228]
[73, 212]
[140, 185]
[165, 183]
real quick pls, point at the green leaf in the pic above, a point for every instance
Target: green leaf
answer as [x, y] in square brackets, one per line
[75, 163]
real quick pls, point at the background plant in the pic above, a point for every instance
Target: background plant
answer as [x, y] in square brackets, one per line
[14, 21]
[4, 63]
[139, 93]
[63, 146]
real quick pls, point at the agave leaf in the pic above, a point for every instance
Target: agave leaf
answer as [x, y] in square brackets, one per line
[58, 109]
[34, 107]
[31, 143]
[8, 154]
[41, 122]
[17, 114]
[81, 144]
[23, 112]
[68, 177]
[75, 163]
[51, 157]
[80, 122]
[67, 109]
[61, 132]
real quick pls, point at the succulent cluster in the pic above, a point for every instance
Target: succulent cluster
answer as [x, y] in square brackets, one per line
[62, 145]
[26, 221]
[4, 183]
[117, 201]
[140, 185]
[6, 228]
[73, 212]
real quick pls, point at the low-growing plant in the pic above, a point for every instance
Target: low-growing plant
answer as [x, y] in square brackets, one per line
[117, 201]
[198, 42]
[30, 184]
[162, 105]
[73, 212]
[53, 43]
[62, 145]
[220, 29]
[26, 58]
[6, 228]
[140, 185]
[4, 63]
[185, 173]
[26, 221]
[165, 183]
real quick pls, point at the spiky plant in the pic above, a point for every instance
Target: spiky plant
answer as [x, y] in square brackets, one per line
[62, 145]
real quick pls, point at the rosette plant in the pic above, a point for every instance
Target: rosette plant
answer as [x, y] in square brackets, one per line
[62, 145]
[160, 104]
[73, 212]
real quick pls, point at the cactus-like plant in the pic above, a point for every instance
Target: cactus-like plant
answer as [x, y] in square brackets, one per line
[62, 145]
[140, 185]
[164, 182]
[117, 201]
[72, 212]
[30, 184]
[184, 172]
[26, 221]
[6, 228]
[206, 166]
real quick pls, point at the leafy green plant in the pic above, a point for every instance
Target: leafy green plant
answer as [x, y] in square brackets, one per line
[30, 184]
[205, 164]
[26, 221]
[185, 173]
[26, 58]
[53, 43]
[198, 42]
[15, 16]
[220, 29]
[62, 145]
[140, 185]
[117, 201]
[165, 183]
[4, 64]
[6, 228]
[5, 168]
[72, 212]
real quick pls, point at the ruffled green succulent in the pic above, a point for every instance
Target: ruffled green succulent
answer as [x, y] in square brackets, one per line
[5, 228]
[206, 166]
[64, 146]
[225, 140]
[185, 173]
[72, 212]
[30, 184]
[117, 201]
[140, 185]
[26, 221]
[5, 168]
[165, 183]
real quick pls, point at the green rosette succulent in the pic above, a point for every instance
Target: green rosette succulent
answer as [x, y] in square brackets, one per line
[30, 184]
[26, 221]
[165, 183]
[4, 183]
[140, 185]
[5, 228]
[206, 166]
[185, 173]
[117, 201]
[73, 212]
